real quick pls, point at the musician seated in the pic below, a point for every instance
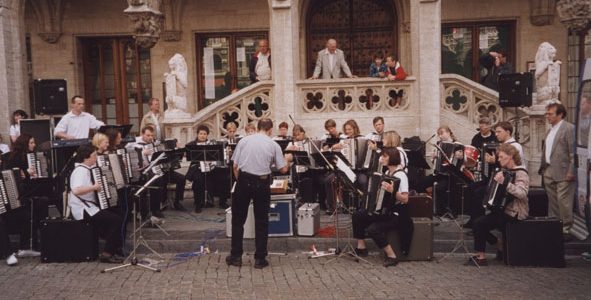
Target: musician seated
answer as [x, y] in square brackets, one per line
[331, 133]
[392, 139]
[21, 217]
[517, 208]
[115, 139]
[307, 181]
[101, 142]
[202, 177]
[283, 130]
[250, 129]
[393, 215]
[232, 136]
[84, 205]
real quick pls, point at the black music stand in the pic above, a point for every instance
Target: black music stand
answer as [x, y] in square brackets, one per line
[331, 142]
[205, 153]
[124, 129]
[283, 144]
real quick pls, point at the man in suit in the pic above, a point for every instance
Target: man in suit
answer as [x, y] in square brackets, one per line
[331, 62]
[154, 118]
[558, 166]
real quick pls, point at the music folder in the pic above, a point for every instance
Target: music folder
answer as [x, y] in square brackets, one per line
[124, 129]
[301, 158]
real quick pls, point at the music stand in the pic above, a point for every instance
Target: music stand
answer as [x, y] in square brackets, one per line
[124, 129]
[283, 144]
[205, 153]
[331, 142]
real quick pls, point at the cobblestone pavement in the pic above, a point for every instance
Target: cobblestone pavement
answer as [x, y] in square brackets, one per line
[295, 277]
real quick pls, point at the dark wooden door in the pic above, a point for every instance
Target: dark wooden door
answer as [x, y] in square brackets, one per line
[361, 28]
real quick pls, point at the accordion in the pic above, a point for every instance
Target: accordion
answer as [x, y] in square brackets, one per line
[9, 194]
[355, 150]
[114, 162]
[374, 202]
[496, 197]
[131, 164]
[446, 156]
[486, 168]
[38, 162]
[107, 196]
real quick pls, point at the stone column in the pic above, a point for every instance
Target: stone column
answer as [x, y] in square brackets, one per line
[14, 93]
[425, 31]
[284, 43]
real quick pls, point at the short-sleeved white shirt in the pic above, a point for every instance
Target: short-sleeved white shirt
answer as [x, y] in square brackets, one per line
[81, 177]
[77, 125]
[15, 130]
[257, 153]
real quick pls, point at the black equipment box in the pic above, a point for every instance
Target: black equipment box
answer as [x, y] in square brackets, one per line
[420, 206]
[535, 242]
[421, 246]
[538, 202]
[64, 240]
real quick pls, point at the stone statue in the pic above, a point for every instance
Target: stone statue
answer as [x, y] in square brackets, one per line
[547, 75]
[176, 88]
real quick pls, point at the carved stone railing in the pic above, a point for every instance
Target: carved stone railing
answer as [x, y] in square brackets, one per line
[464, 101]
[360, 98]
[247, 105]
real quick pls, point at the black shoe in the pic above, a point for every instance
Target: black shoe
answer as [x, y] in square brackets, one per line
[234, 261]
[390, 261]
[475, 261]
[178, 206]
[260, 263]
[158, 214]
[111, 259]
[499, 255]
[198, 210]
[361, 252]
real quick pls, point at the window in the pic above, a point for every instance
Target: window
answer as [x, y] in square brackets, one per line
[223, 63]
[459, 41]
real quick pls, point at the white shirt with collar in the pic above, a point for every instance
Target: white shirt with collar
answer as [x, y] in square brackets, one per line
[77, 126]
[156, 124]
[519, 148]
[262, 68]
[86, 202]
[550, 140]
[331, 59]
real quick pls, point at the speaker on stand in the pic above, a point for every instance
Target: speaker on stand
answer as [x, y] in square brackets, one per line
[50, 96]
[515, 90]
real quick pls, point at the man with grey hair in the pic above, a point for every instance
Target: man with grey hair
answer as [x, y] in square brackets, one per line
[260, 63]
[254, 158]
[331, 62]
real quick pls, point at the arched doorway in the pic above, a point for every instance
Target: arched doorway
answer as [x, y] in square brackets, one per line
[361, 27]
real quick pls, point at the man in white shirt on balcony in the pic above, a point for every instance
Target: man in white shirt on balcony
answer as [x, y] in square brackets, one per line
[76, 124]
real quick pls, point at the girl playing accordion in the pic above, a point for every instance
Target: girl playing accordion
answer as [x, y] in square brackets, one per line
[393, 216]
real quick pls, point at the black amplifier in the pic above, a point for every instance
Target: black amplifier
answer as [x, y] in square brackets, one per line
[535, 242]
[64, 240]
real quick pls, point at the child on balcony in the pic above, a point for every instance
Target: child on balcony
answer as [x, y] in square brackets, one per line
[378, 68]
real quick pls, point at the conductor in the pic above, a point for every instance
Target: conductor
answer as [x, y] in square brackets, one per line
[254, 157]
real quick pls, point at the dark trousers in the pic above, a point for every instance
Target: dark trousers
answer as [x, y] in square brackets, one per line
[200, 180]
[258, 189]
[223, 183]
[159, 195]
[377, 226]
[350, 197]
[108, 225]
[474, 197]
[483, 226]
[19, 221]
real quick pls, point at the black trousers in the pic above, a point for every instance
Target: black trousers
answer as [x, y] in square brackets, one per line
[251, 187]
[108, 225]
[200, 180]
[329, 188]
[484, 224]
[377, 226]
[474, 197]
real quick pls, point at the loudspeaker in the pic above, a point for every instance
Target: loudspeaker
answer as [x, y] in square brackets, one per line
[37, 128]
[515, 90]
[535, 242]
[51, 97]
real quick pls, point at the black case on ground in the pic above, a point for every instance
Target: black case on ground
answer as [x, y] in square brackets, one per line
[538, 202]
[535, 242]
[64, 240]
[420, 206]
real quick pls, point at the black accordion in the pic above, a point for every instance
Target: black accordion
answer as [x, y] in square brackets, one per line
[486, 168]
[131, 164]
[496, 197]
[107, 196]
[376, 197]
[446, 156]
[9, 194]
[355, 151]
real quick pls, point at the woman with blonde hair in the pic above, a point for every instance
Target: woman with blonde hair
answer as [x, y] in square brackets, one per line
[101, 142]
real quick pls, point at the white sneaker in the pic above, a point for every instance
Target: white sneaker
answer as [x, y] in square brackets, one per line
[11, 260]
[156, 220]
[28, 253]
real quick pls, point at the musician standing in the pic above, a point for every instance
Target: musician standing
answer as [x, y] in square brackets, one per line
[394, 213]
[503, 133]
[515, 210]
[84, 204]
[558, 166]
[77, 123]
[484, 135]
[154, 119]
[254, 157]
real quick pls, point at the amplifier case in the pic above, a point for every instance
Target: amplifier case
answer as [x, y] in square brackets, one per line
[248, 225]
[535, 242]
[64, 240]
[421, 246]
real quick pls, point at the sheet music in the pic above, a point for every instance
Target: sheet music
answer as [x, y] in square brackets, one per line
[341, 165]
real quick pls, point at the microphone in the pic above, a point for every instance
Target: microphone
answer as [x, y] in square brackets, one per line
[430, 138]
